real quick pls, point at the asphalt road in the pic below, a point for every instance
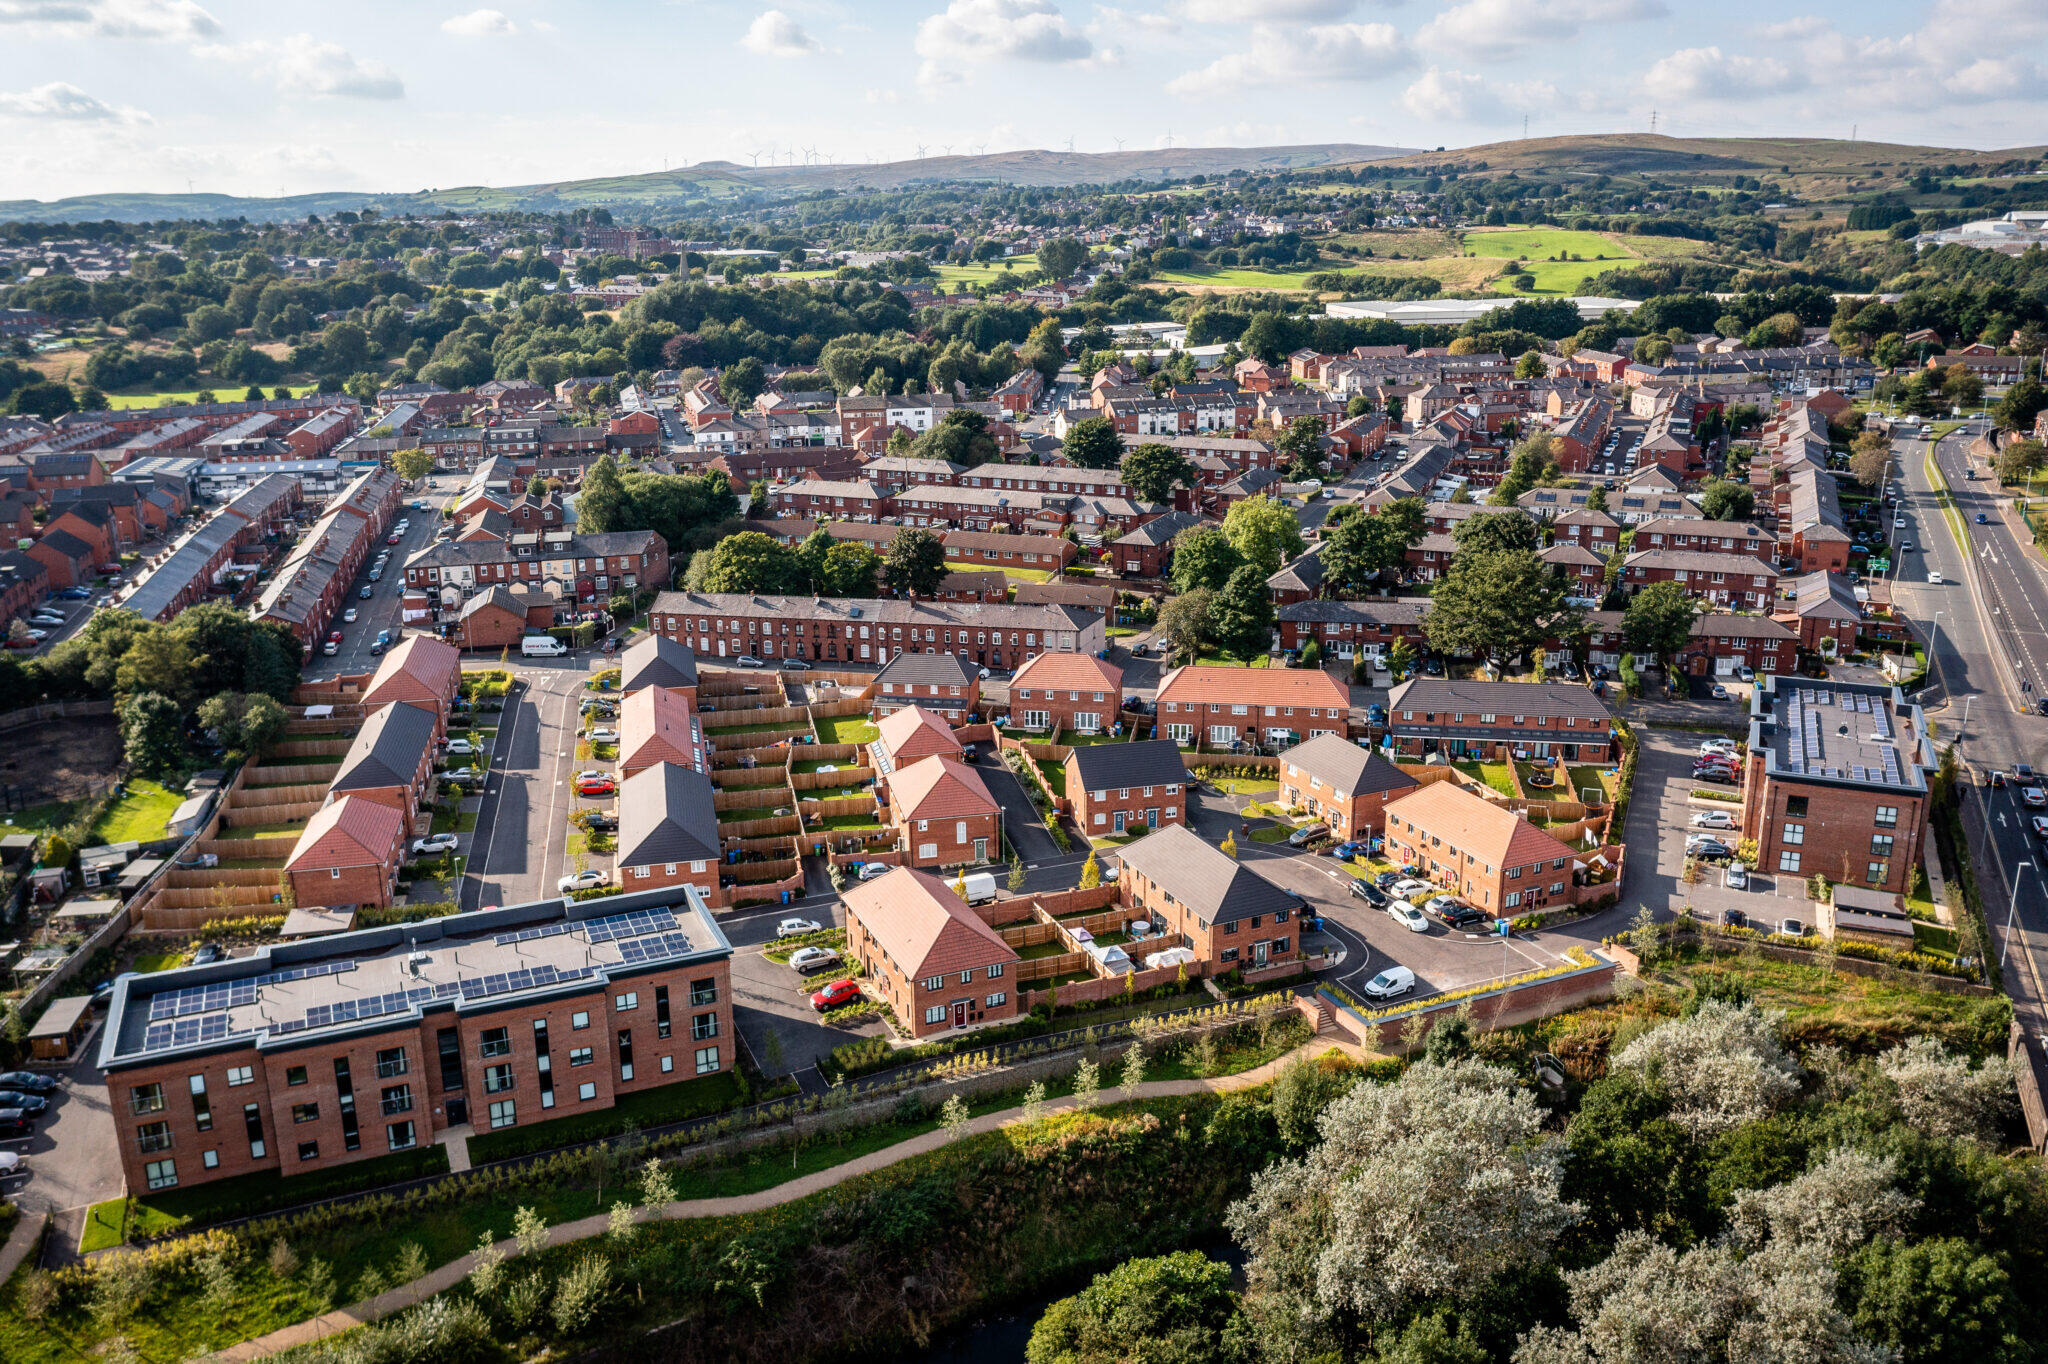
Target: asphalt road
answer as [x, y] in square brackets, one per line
[520, 848]
[381, 611]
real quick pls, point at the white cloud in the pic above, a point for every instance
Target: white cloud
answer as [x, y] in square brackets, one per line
[879, 96]
[480, 23]
[170, 20]
[1709, 73]
[971, 31]
[1318, 54]
[1793, 29]
[775, 34]
[1497, 29]
[303, 64]
[1268, 12]
[1438, 95]
[66, 102]
[1110, 21]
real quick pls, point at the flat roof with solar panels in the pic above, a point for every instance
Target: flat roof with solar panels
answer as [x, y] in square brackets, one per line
[1841, 733]
[289, 994]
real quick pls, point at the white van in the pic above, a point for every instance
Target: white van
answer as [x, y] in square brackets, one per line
[542, 646]
[980, 888]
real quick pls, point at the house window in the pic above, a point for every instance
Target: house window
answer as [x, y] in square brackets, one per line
[1788, 861]
[707, 1060]
[153, 1136]
[295, 1075]
[391, 1063]
[1795, 833]
[162, 1174]
[241, 1075]
[703, 1027]
[309, 1150]
[146, 1099]
[1877, 873]
[703, 992]
[630, 1000]
[400, 1136]
[933, 983]
[504, 1113]
[935, 1014]
[495, 1042]
[1887, 816]
[305, 1113]
[997, 999]
[1795, 806]
[1881, 845]
[1230, 953]
[497, 1079]
[396, 1099]
[579, 1021]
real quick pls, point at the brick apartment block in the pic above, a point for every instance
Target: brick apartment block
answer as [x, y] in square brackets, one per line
[1495, 720]
[1220, 708]
[1477, 850]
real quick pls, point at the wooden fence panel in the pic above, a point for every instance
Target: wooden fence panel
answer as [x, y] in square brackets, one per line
[199, 878]
[755, 872]
[758, 828]
[777, 847]
[291, 812]
[768, 798]
[1045, 968]
[224, 901]
[845, 776]
[832, 710]
[1106, 987]
[319, 774]
[273, 849]
[755, 742]
[797, 716]
[311, 748]
[831, 806]
[270, 797]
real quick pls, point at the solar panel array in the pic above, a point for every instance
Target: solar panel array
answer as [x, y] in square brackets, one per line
[1803, 749]
[529, 934]
[525, 978]
[635, 951]
[233, 994]
[639, 924]
[185, 1031]
[369, 1006]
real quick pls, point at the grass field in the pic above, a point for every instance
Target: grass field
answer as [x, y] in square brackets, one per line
[227, 394]
[846, 729]
[1599, 253]
[1238, 279]
[140, 815]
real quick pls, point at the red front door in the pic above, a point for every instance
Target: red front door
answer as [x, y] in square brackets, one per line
[959, 1013]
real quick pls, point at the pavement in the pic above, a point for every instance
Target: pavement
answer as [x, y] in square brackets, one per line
[520, 848]
[67, 1163]
[381, 611]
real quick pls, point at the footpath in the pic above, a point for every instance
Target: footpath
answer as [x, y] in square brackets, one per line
[455, 1271]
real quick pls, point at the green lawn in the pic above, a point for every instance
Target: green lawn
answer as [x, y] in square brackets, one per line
[847, 729]
[846, 822]
[140, 815]
[104, 1224]
[227, 393]
[1274, 834]
[1055, 774]
[1226, 661]
[1600, 253]
[1237, 278]
[1584, 776]
[1035, 575]
[648, 1108]
[463, 823]
[50, 815]
[158, 961]
[1495, 775]
[782, 726]
[1074, 740]
[263, 831]
[1241, 786]
[819, 764]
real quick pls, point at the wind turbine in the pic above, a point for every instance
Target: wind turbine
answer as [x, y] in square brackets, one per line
[921, 149]
[810, 154]
[980, 147]
[1119, 143]
[948, 146]
[757, 159]
[1070, 144]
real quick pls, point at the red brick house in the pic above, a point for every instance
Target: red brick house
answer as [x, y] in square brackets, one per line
[1479, 851]
[657, 725]
[420, 670]
[1221, 708]
[944, 814]
[1117, 788]
[944, 684]
[1040, 553]
[348, 856]
[1493, 720]
[67, 559]
[1592, 530]
[94, 525]
[1723, 642]
[498, 618]
[391, 760]
[1723, 579]
[1071, 693]
[930, 958]
[668, 831]
[1822, 611]
[908, 735]
[1228, 914]
[1341, 784]
[1147, 552]
[822, 501]
[1705, 537]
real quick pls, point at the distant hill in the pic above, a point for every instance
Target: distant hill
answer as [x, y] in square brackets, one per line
[1649, 154]
[712, 181]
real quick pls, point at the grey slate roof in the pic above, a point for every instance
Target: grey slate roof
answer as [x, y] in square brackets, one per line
[940, 670]
[1153, 762]
[1546, 700]
[657, 661]
[1345, 767]
[666, 815]
[1214, 886]
[387, 748]
[1161, 529]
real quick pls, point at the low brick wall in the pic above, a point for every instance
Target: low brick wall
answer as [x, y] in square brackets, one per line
[1103, 987]
[1501, 1008]
[754, 893]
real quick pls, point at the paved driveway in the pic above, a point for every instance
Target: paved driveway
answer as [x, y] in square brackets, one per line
[69, 1160]
[519, 849]
[1020, 817]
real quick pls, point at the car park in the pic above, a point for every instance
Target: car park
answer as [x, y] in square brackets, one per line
[1395, 980]
[582, 880]
[1408, 916]
[839, 992]
[435, 843]
[807, 959]
[31, 1081]
[797, 927]
[1713, 819]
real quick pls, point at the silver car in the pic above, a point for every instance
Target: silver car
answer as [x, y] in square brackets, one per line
[809, 959]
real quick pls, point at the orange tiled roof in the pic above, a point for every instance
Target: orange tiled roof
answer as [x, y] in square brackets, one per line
[923, 926]
[1068, 672]
[1255, 686]
[435, 668]
[940, 788]
[654, 726]
[1473, 825]
[352, 832]
[913, 733]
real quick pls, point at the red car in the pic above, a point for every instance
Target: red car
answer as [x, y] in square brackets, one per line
[597, 786]
[837, 993]
[393, 539]
[334, 636]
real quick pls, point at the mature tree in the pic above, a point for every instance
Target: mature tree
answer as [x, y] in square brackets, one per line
[412, 465]
[42, 398]
[1305, 1087]
[1496, 604]
[345, 349]
[1722, 1066]
[1533, 459]
[962, 437]
[1400, 657]
[1870, 457]
[684, 509]
[2019, 459]
[741, 382]
[1301, 443]
[1530, 366]
[1935, 1300]
[152, 734]
[1723, 500]
[1154, 471]
[1060, 257]
[1960, 387]
[1265, 533]
[1659, 620]
[1203, 557]
[263, 723]
[1596, 500]
[916, 562]
[158, 661]
[601, 502]
[1184, 622]
[1359, 546]
[1941, 1094]
[753, 562]
[2021, 404]
[851, 569]
[1421, 1191]
[1170, 1309]
[1495, 532]
[1045, 352]
[1093, 443]
[1241, 621]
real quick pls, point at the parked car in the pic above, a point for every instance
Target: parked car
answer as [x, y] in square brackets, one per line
[597, 786]
[31, 1081]
[30, 1104]
[1737, 878]
[434, 843]
[1344, 852]
[749, 661]
[1711, 849]
[208, 953]
[1723, 775]
[797, 665]
[14, 1123]
[837, 993]
[1712, 819]
[797, 927]
[604, 736]
[1711, 746]
[1745, 673]
[367, 593]
[1410, 888]
[461, 748]
[74, 594]
[393, 538]
[870, 870]
[1386, 879]
[808, 959]
[1408, 916]
[1465, 916]
[1307, 834]
[601, 821]
[10, 1163]
[1370, 893]
[348, 617]
[582, 880]
[1395, 980]
[1720, 692]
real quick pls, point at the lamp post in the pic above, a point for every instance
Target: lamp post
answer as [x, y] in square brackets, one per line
[2011, 911]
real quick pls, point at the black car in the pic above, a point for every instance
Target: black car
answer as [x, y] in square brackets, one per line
[1463, 916]
[1369, 893]
[1385, 879]
[27, 1080]
[27, 1103]
[14, 1123]
[207, 954]
[598, 819]
[1716, 774]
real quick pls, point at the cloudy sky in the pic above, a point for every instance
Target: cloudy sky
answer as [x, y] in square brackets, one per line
[244, 98]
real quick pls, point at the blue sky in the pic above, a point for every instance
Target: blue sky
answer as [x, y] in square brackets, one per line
[244, 98]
